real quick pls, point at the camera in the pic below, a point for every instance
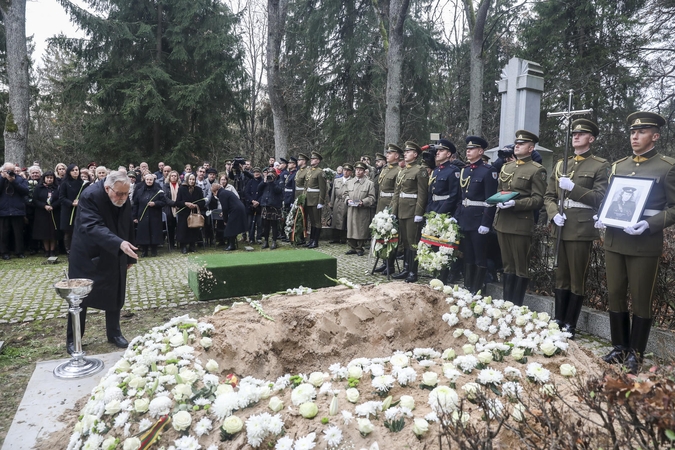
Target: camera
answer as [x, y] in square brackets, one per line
[11, 173]
[269, 177]
[238, 162]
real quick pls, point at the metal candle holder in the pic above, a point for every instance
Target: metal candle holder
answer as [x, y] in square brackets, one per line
[73, 291]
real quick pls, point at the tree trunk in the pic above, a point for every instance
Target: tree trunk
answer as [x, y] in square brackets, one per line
[276, 21]
[156, 126]
[16, 124]
[398, 10]
[477, 27]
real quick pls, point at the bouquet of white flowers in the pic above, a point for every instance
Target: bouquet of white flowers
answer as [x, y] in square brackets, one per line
[329, 174]
[384, 229]
[437, 249]
[295, 221]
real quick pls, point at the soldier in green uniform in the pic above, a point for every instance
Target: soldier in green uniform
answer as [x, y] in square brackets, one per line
[300, 180]
[386, 185]
[632, 253]
[408, 204]
[316, 190]
[514, 220]
[581, 191]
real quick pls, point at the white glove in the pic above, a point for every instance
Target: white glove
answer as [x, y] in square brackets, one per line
[637, 229]
[566, 184]
[418, 219]
[598, 223]
[560, 220]
[506, 205]
[319, 206]
[483, 230]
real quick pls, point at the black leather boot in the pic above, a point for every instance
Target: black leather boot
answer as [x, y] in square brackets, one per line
[520, 287]
[265, 243]
[144, 251]
[414, 265]
[619, 325]
[391, 264]
[403, 274]
[380, 268]
[311, 238]
[573, 311]
[561, 301]
[507, 283]
[317, 235]
[231, 244]
[469, 270]
[274, 244]
[478, 283]
[639, 336]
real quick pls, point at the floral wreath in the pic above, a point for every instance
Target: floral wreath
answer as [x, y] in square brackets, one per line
[384, 229]
[437, 249]
[295, 221]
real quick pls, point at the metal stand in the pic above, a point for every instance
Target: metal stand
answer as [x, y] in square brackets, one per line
[78, 367]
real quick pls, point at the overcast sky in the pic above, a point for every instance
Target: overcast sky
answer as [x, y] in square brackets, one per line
[45, 19]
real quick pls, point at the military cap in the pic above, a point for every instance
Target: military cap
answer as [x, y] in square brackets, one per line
[303, 156]
[283, 160]
[360, 165]
[585, 126]
[476, 141]
[228, 161]
[211, 170]
[91, 164]
[132, 174]
[293, 159]
[525, 136]
[446, 144]
[380, 157]
[410, 145]
[485, 158]
[394, 148]
[629, 189]
[645, 119]
[316, 155]
[365, 156]
[347, 167]
[256, 169]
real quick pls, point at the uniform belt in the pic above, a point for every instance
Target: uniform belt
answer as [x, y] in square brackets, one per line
[467, 202]
[650, 212]
[301, 188]
[404, 195]
[313, 190]
[572, 204]
[386, 194]
[289, 190]
[438, 198]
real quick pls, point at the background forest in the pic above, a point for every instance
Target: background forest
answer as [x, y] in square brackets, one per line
[184, 81]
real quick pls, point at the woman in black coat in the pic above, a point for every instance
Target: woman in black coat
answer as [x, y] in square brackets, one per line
[190, 198]
[69, 192]
[234, 213]
[171, 186]
[46, 202]
[270, 196]
[146, 210]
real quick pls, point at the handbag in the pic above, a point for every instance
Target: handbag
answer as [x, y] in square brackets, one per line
[195, 220]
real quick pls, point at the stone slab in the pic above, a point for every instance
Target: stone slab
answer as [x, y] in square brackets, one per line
[46, 399]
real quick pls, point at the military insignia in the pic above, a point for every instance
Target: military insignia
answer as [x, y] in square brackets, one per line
[495, 175]
[424, 173]
[520, 136]
[637, 122]
[578, 127]
[543, 176]
[456, 174]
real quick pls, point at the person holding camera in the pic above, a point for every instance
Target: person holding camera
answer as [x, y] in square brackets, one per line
[13, 189]
[270, 194]
[316, 190]
[238, 176]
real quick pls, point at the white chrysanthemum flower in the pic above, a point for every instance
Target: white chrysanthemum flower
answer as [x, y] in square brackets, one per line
[160, 406]
[512, 373]
[512, 389]
[375, 370]
[347, 417]
[427, 363]
[466, 313]
[494, 408]
[405, 375]
[490, 376]
[338, 371]
[284, 443]
[466, 362]
[443, 399]
[305, 442]
[368, 409]
[536, 372]
[187, 443]
[383, 382]
[144, 424]
[333, 436]
[426, 353]
[399, 360]
[304, 393]
[121, 420]
[483, 323]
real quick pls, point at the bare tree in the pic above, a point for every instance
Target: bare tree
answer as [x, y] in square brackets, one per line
[16, 124]
[476, 20]
[276, 24]
[394, 13]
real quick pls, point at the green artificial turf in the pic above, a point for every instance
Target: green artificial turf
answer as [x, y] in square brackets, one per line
[239, 274]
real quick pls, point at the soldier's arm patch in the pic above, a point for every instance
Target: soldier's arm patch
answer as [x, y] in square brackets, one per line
[495, 175]
[456, 174]
[543, 175]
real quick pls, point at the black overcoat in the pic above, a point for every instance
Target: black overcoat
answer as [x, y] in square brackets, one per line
[46, 223]
[68, 191]
[234, 213]
[150, 227]
[186, 235]
[95, 253]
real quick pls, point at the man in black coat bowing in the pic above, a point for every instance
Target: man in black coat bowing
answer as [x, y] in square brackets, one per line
[102, 251]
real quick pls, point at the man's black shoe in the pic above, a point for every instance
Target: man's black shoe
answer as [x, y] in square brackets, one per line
[21, 256]
[359, 253]
[350, 252]
[5, 257]
[70, 347]
[119, 341]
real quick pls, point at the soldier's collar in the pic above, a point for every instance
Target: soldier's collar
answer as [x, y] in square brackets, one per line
[582, 156]
[521, 161]
[645, 156]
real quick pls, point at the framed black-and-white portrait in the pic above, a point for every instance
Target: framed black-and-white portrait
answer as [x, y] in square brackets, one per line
[625, 201]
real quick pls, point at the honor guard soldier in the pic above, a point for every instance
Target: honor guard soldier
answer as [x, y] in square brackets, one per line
[581, 191]
[632, 253]
[289, 187]
[316, 190]
[301, 175]
[444, 193]
[478, 182]
[386, 185]
[338, 203]
[409, 204]
[514, 219]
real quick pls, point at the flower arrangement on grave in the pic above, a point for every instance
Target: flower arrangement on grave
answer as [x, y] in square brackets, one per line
[295, 221]
[437, 248]
[384, 229]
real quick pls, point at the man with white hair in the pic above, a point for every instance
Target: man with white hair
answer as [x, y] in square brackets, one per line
[13, 189]
[102, 251]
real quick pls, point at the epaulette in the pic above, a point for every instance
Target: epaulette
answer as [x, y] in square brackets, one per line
[620, 160]
[597, 158]
[536, 164]
[668, 159]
